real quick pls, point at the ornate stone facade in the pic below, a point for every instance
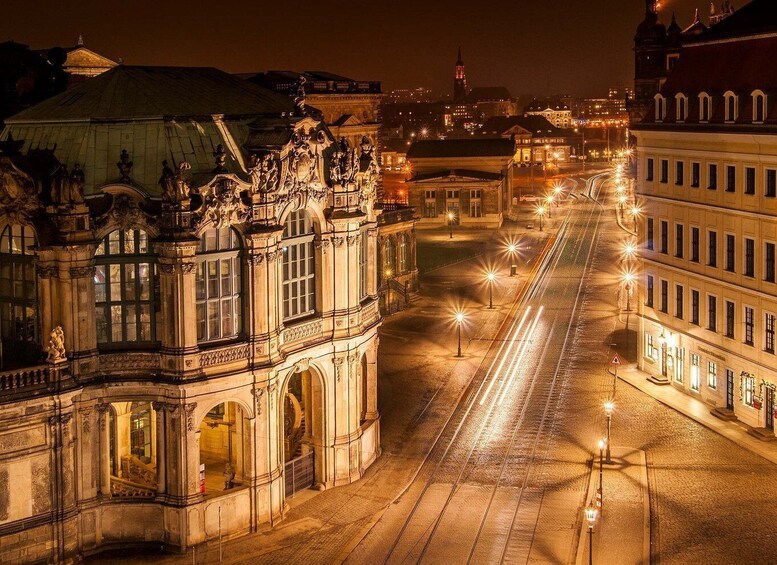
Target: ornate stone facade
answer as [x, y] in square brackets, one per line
[189, 363]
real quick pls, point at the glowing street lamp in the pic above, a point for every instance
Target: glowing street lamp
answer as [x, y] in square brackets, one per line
[590, 517]
[621, 201]
[450, 224]
[459, 320]
[490, 278]
[601, 471]
[549, 201]
[629, 250]
[628, 280]
[512, 249]
[635, 211]
[557, 193]
[541, 213]
[609, 406]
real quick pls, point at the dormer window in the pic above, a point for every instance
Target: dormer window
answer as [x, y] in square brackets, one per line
[731, 106]
[660, 108]
[682, 107]
[705, 103]
[759, 106]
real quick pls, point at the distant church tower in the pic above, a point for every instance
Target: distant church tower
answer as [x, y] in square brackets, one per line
[650, 49]
[460, 80]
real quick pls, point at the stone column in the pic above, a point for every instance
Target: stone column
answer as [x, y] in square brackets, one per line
[372, 263]
[372, 380]
[104, 447]
[88, 453]
[161, 446]
[262, 285]
[178, 313]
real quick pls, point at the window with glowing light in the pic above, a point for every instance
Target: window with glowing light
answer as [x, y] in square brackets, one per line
[18, 294]
[695, 372]
[299, 266]
[126, 289]
[218, 285]
[712, 375]
[748, 386]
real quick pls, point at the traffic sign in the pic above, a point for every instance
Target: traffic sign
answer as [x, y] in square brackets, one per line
[616, 360]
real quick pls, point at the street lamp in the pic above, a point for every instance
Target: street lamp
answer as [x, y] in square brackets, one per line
[450, 224]
[628, 280]
[621, 201]
[601, 473]
[491, 277]
[629, 250]
[459, 321]
[609, 406]
[541, 214]
[512, 249]
[549, 201]
[557, 193]
[635, 211]
[590, 517]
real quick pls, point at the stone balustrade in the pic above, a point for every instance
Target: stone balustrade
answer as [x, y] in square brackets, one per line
[26, 379]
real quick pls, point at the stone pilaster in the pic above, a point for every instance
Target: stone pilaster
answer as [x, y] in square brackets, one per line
[104, 478]
[263, 282]
[161, 447]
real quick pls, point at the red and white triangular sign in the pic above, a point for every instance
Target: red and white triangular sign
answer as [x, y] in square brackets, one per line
[615, 360]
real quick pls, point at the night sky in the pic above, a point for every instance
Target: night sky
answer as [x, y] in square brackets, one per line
[540, 46]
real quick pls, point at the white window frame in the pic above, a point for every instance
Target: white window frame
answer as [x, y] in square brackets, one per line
[232, 300]
[660, 108]
[681, 111]
[695, 372]
[702, 97]
[299, 266]
[755, 95]
[712, 375]
[727, 96]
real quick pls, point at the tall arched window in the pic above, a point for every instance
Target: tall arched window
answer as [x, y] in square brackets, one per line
[125, 283]
[660, 108]
[299, 266]
[402, 256]
[759, 106]
[218, 285]
[18, 295]
[682, 107]
[704, 107]
[731, 106]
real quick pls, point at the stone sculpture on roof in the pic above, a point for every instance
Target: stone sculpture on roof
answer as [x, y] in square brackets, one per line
[264, 173]
[125, 167]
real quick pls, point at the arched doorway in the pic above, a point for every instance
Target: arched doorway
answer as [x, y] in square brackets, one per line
[131, 445]
[224, 451]
[302, 421]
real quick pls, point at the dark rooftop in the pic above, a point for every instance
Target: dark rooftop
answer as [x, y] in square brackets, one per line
[131, 92]
[537, 125]
[462, 148]
[488, 94]
[755, 18]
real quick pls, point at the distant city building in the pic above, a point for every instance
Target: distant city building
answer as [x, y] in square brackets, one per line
[402, 95]
[534, 136]
[460, 90]
[188, 312]
[555, 111]
[413, 120]
[470, 179]
[707, 182]
[82, 63]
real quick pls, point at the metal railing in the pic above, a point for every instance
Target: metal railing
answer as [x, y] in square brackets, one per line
[300, 473]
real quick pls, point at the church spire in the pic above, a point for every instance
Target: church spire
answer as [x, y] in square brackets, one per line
[459, 79]
[459, 61]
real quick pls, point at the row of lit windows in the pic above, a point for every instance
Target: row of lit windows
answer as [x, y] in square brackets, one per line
[127, 293]
[694, 179]
[749, 259]
[729, 330]
[730, 104]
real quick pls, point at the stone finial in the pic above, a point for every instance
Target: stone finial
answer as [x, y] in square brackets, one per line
[56, 349]
[77, 181]
[125, 167]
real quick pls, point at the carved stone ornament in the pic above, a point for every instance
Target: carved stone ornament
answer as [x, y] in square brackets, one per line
[302, 169]
[47, 272]
[299, 99]
[125, 214]
[344, 163]
[370, 173]
[220, 156]
[256, 259]
[56, 349]
[338, 363]
[258, 394]
[264, 173]
[189, 409]
[102, 414]
[18, 192]
[125, 167]
[86, 423]
[338, 241]
[352, 240]
[221, 204]
[175, 185]
[82, 272]
[302, 365]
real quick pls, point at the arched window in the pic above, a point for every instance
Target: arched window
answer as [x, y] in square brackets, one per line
[731, 106]
[402, 257]
[704, 107]
[660, 108]
[759, 106]
[299, 266]
[218, 284]
[18, 294]
[682, 107]
[126, 289]
[140, 431]
[363, 264]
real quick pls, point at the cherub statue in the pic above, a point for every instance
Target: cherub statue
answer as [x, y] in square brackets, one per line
[56, 349]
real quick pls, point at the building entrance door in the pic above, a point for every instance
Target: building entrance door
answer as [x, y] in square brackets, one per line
[729, 389]
[663, 359]
[770, 408]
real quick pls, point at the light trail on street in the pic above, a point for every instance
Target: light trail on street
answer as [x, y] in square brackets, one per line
[471, 500]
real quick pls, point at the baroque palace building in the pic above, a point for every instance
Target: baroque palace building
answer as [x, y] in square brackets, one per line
[707, 176]
[188, 312]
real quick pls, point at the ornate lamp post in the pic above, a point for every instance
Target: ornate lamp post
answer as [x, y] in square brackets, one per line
[541, 214]
[601, 471]
[549, 202]
[628, 280]
[590, 517]
[557, 194]
[512, 249]
[635, 211]
[609, 406]
[490, 278]
[450, 224]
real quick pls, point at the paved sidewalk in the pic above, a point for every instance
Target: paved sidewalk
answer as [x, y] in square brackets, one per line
[698, 411]
[622, 529]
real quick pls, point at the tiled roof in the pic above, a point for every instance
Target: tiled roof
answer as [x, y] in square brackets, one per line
[756, 17]
[130, 92]
[544, 104]
[460, 173]
[462, 148]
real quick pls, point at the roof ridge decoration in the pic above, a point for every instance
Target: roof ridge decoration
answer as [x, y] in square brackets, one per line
[125, 167]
